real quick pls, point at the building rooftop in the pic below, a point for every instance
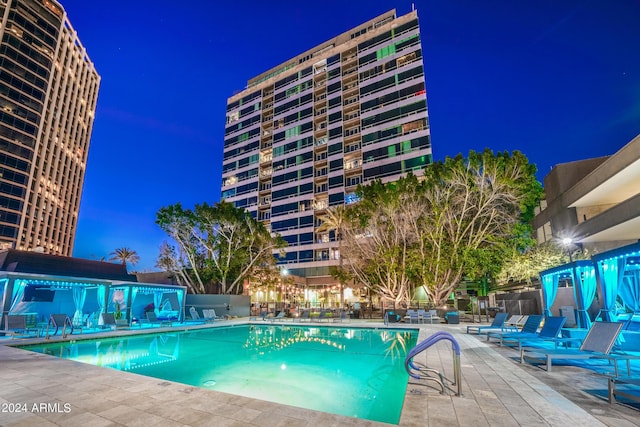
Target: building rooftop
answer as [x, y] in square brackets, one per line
[15, 261]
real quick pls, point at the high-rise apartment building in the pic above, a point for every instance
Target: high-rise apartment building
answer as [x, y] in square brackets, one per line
[48, 94]
[302, 135]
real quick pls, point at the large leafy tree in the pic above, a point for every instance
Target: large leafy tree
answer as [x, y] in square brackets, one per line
[378, 239]
[218, 247]
[124, 255]
[462, 217]
[524, 266]
[476, 210]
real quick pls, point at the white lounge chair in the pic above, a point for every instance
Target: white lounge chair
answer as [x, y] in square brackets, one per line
[210, 315]
[194, 314]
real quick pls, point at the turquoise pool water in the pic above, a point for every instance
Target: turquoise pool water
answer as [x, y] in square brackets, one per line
[357, 372]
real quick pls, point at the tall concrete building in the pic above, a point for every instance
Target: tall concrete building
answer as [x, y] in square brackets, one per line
[48, 94]
[302, 135]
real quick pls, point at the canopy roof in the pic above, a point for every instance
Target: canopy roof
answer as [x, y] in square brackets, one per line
[12, 260]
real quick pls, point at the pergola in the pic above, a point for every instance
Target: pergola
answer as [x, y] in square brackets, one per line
[76, 297]
[582, 275]
[617, 272]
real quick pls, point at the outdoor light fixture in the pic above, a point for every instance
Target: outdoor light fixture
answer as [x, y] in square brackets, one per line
[567, 242]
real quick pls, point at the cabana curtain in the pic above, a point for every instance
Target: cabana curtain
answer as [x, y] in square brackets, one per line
[612, 271]
[157, 301]
[18, 292]
[550, 289]
[584, 291]
[101, 295]
[134, 294]
[3, 286]
[629, 291]
[79, 295]
[180, 295]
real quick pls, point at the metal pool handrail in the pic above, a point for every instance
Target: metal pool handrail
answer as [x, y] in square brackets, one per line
[418, 371]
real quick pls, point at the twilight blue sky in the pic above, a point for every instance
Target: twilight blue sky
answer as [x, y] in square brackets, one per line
[558, 80]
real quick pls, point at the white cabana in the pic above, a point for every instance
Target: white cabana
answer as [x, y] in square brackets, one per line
[84, 299]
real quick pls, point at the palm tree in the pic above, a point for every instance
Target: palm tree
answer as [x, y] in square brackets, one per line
[125, 255]
[335, 220]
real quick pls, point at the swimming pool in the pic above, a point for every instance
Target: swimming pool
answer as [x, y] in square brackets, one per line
[357, 372]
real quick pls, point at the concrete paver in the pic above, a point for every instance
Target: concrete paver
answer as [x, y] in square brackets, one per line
[497, 391]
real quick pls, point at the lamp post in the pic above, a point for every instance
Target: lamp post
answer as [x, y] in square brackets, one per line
[283, 279]
[567, 243]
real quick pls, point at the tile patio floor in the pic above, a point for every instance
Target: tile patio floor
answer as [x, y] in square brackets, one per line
[497, 391]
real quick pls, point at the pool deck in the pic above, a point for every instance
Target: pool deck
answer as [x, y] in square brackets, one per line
[496, 391]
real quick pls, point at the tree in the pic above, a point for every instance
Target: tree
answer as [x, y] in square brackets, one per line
[463, 216]
[334, 220]
[169, 260]
[219, 246]
[377, 239]
[523, 266]
[124, 255]
[476, 209]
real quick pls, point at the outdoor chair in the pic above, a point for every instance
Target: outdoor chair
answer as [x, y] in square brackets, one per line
[152, 318]
[194, 314]
[412, 316]
[596, 345]
[521, 322]
[60, 321]
[391, 317]
[530, 327]
[325, 315]
[107, 320]
[512, 322]
[218, 317]
[80, 323]
[17, 324]
[627, 392]
[549, 332]
[452, 318]
[280, 316]
[341, 316]
[496, 325]
[208, 316]
[432, 315]
[305, 315]
[211, 315]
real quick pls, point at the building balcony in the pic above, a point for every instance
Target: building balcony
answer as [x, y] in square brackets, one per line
[320, 204]
[321, 141]
[353, 165]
